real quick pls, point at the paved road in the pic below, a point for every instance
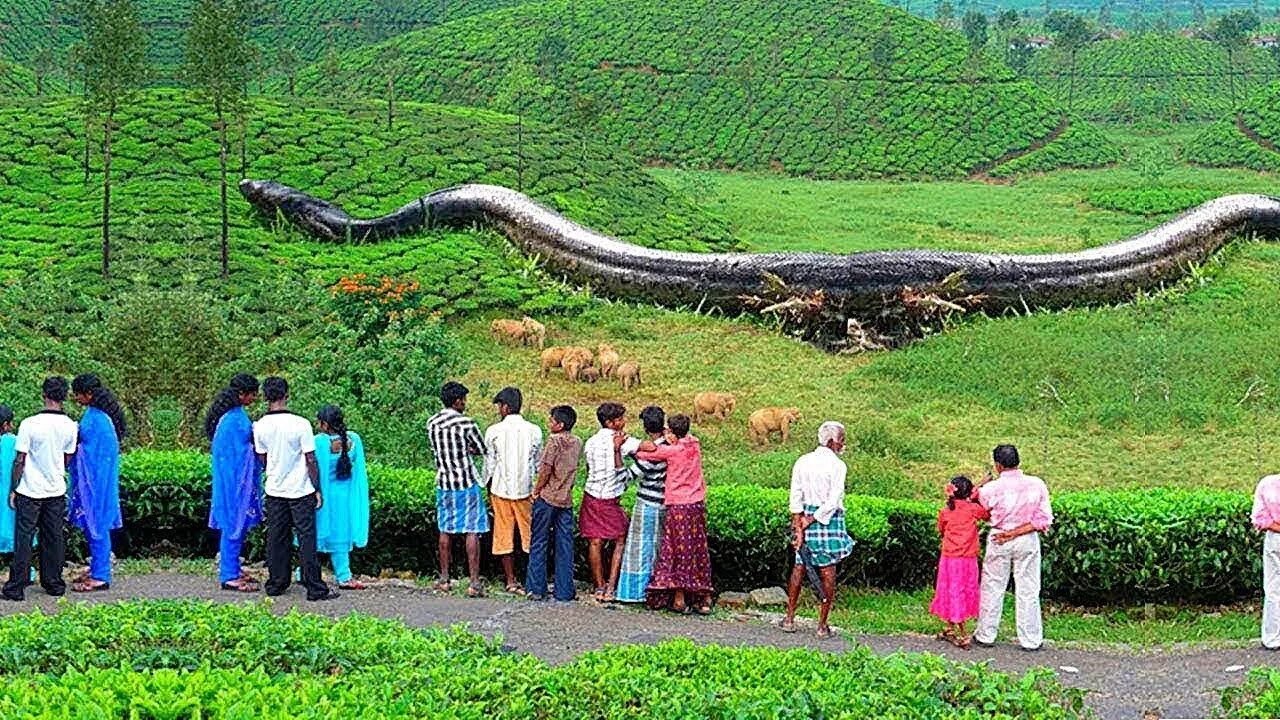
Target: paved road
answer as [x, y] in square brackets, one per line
[1122, 685]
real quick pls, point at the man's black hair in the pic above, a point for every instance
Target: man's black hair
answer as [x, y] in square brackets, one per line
[275, 389]
[452, 392]
[510, 397]
[609, 411]
[565, 415]
[653, 418]
[1006, 456]
[55, 388]
[679, 425]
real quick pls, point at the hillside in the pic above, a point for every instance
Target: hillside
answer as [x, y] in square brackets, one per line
[16, 80]
[1151, 77]
[310, 27]
[165, 195]
[808, 88]
[1247, 140]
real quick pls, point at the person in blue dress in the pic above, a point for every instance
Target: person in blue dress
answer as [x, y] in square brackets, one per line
[94, 505]
[342, 522]
[237, 495]
[8, 451]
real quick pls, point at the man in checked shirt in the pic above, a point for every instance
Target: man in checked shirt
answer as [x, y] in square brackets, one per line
[460, 507]
[1020, 511]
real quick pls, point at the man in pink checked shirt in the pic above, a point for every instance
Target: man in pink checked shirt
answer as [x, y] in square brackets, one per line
[1020, 511]
[1266, 518]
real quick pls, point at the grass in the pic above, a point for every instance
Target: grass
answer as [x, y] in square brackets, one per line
[1034, 214]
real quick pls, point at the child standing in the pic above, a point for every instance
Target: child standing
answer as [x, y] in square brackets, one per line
[601, 518]
[956, 596]
[553, 507]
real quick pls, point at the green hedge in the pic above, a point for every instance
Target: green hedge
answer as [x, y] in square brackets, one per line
[184, 659]
[1105, 547]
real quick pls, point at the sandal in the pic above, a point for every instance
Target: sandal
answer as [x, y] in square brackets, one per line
[600, 594]
[442, 585]
[353, 585]
[825, 633]
[703, 610]
[241, 585]
[515, 589]
[961, 642]
[787, 626]
[475, 591]
[85, 586]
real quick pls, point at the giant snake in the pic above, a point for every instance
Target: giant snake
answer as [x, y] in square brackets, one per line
[858, 281]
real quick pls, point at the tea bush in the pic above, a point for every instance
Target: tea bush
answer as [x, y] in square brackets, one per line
[1105, 546]
[1149, 200]
[808, 88]
[1257, 697]
[180, 659]
[1081, 145]
[1222, 144]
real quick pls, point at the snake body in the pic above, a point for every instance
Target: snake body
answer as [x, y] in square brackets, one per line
[858, 281]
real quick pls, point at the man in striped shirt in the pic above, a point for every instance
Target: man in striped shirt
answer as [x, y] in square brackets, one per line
[460, 507]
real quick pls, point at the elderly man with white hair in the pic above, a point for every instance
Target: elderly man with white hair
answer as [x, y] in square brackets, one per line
[817, 518]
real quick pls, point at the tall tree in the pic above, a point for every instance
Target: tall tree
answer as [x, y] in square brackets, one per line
[1071, 33]
[43, 64]
[1232, 31]
[288, 63]
[391, 62]
[219, 65]
[111, 59]
[520, 90]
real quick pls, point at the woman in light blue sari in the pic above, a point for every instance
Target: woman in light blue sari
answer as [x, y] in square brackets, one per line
[342, 522]
[8, 451]
[237, 498]
[94, 505]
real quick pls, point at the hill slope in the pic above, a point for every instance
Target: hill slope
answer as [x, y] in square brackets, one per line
[310, 27]
[812, 88]
[165, 197]
[1249, 139]
[1151, 76]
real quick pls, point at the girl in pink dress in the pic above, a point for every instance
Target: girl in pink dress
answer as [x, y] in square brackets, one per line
[956, 593]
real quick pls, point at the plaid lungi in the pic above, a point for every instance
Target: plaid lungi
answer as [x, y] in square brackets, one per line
[461, 511]
[641, 550]
[828, 543]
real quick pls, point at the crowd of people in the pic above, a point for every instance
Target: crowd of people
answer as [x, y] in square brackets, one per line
[311, 489]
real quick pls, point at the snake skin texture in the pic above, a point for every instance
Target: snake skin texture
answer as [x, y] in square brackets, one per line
[858, 281]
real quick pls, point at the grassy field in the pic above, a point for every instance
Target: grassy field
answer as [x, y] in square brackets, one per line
[1177, 389]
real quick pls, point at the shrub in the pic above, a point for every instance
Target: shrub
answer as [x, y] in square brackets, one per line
[1257, 697]
[1105, 546]
[1149, 200]
[181, 659]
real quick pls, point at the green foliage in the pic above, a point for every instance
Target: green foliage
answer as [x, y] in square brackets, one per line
[1149, 201]
[1150, 76]
[802, 87]
[1223, 145]
[1080, 145]
[1105, 547]
[186, 659]
[111, 58]
[1258, 697]
[218, 54]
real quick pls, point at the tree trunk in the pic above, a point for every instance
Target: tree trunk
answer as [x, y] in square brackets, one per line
[391, 94]
[106, 195]
[39, 85]
[243, 121]
[222, 164]
[293, 85]
[87, 126]
[520, 151]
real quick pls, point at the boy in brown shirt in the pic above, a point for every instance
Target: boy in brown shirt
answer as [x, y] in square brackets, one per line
[553, 507]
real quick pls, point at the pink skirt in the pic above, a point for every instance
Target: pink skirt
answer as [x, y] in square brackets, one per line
[956, 593]
[602, 519]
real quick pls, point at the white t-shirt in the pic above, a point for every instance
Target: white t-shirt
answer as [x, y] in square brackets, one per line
[46, 437]
[285, 438]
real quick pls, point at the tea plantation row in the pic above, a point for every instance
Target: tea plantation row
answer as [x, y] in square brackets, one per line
[1105, 546]
[174, 659]
[1224, 144]
[855, 89]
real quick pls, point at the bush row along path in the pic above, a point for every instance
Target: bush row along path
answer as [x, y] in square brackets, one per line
[1178, 682]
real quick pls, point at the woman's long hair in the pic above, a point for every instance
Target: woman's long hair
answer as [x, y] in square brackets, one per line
[102, 398]
[331, 415]
[228, 398]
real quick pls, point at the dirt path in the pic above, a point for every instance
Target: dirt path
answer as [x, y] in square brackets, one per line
[1254, 136]
[981, 173]
[1180, 683]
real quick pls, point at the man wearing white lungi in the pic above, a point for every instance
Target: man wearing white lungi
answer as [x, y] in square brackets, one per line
[1266, 517]
[1020, 511]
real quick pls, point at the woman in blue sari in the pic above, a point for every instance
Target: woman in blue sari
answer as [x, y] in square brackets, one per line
[237, 498]
[8, 451]
[94, 505]
[342, 522]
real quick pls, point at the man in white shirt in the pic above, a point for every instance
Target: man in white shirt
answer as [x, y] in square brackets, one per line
[512, 447]
[601, 518]
[38, 492]
[817, 520]
[286, 444]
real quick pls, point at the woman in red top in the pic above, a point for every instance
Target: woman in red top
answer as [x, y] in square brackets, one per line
[956, 594]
